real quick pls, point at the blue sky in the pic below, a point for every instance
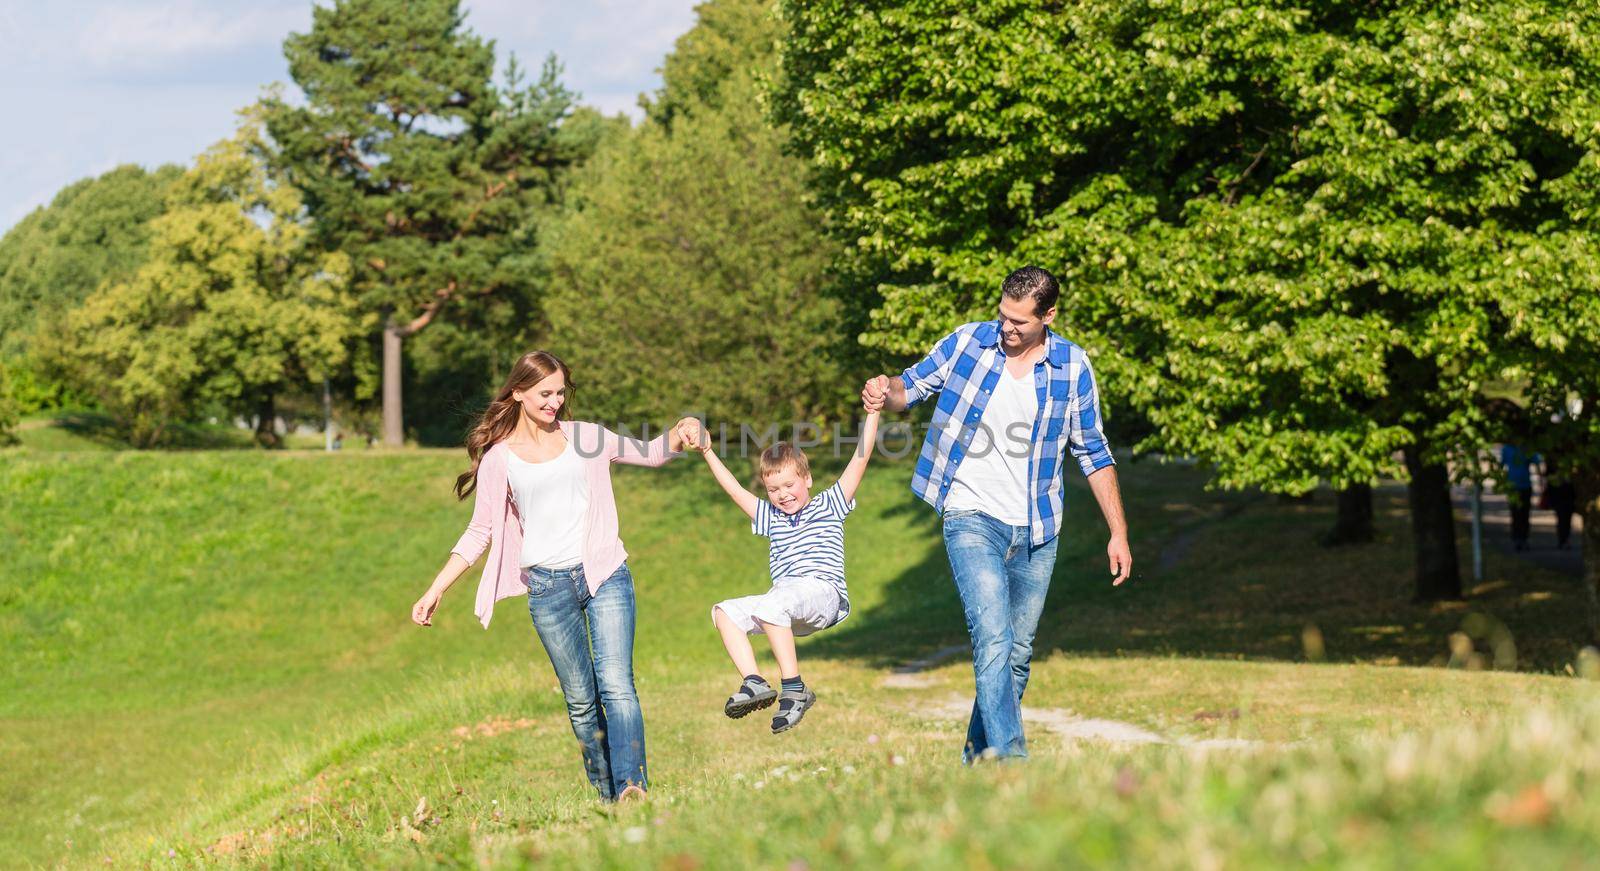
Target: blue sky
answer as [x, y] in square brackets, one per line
[90, 84]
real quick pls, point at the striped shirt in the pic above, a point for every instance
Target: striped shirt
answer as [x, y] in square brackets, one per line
[963, 369]
[808, 543]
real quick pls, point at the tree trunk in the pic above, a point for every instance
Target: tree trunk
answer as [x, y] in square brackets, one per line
[1433, 528]
[266, 422]
[1354, 523]
[393, 424]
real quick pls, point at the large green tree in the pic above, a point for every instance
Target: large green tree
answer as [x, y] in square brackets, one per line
[93, 231]
[435, 179]
[1270, 218]
[729, 38]
[231, 307]
[687, 274]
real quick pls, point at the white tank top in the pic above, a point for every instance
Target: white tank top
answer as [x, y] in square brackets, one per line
[553, 499]
[993, 476]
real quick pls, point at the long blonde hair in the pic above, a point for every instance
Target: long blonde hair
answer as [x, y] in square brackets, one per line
[499, 420]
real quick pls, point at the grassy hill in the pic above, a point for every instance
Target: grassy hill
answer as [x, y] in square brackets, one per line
[209, 660]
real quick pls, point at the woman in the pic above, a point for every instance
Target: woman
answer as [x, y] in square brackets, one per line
[544, 509]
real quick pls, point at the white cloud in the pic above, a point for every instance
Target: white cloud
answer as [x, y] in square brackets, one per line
[163, 33]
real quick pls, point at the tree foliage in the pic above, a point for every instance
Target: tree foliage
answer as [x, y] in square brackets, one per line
[687, 274]
[729, 38]
[231, 307]
[434, 179]
[93, 231]
[1286, 230]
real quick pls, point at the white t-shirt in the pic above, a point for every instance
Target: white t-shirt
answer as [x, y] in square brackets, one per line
[993, 476]
[553, 499]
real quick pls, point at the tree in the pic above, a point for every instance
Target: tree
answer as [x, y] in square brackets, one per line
[729, 38]
[93, 232]
[232, 306]
[435, 180]
[687, 273]
[1270, 219]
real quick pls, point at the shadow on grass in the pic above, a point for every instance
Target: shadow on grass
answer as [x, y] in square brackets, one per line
[1238, 576]
[90, 430]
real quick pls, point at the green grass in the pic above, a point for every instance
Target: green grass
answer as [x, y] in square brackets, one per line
[208, 654]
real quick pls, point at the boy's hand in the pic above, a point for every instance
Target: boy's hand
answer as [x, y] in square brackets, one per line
[693, 435]
[874, 393]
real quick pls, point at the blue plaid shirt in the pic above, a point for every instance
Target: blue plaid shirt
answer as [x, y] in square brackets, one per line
[963, 369]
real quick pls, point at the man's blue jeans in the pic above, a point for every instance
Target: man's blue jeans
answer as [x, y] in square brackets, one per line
[590, 642]
[1003, 581]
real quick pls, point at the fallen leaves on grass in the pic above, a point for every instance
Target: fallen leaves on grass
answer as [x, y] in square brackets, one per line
[1530, 807]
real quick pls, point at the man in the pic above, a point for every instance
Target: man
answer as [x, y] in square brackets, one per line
[1520, 476]
[1013, 398]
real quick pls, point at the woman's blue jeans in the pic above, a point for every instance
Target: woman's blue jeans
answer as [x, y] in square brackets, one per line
[590, 642]
[1002, 580]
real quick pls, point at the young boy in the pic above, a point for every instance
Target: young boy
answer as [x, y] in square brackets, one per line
[806, 559]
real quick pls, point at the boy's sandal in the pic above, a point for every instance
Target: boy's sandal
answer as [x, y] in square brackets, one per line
[791, 707]
[749, 697]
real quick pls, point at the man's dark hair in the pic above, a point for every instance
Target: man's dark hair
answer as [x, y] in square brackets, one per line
[1031, 282]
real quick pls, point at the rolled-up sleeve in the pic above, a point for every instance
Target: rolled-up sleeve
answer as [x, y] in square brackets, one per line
[1086, 437]
[927, 377]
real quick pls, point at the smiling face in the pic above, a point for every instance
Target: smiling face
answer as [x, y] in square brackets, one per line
[788, 488]
[1021, 326]
[542, 402]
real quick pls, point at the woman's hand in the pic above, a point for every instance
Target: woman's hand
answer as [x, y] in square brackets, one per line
[692, 435]
[422, 612]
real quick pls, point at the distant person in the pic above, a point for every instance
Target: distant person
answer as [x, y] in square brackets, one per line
[1519, 475]
[545, 511]
[338, 440]
[1013, 399]
[805, 557]
[1562, 497]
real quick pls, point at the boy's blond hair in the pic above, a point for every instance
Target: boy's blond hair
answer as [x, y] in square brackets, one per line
[782, 455]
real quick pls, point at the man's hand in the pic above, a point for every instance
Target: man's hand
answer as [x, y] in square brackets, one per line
[693, 435]
[1121, 560]
[875, 393]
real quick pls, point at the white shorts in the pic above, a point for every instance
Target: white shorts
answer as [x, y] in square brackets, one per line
[804, 604]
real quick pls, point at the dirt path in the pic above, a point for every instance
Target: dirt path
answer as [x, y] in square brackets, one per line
[1067, 724]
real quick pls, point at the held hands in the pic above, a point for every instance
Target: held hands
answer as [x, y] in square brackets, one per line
[693, 435]
[875, 393]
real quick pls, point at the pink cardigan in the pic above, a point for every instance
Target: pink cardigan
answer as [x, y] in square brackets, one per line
[495, 523]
